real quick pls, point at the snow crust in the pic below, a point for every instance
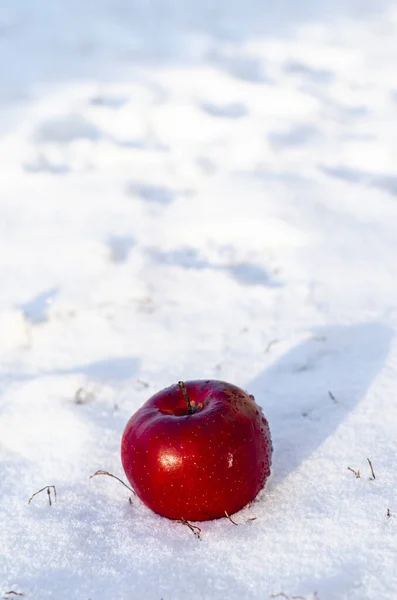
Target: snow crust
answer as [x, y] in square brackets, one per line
[198, 190]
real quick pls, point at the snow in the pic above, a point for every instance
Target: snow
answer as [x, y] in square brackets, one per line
[198, 190]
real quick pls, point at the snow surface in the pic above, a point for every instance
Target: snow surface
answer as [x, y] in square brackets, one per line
[195, 190]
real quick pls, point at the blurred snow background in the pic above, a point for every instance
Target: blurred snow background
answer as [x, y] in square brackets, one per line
[195, 190]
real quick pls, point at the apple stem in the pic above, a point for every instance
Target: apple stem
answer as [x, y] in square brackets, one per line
[182, 386]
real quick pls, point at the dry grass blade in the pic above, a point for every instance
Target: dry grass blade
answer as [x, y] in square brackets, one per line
[270, 344]
[356, 473]
[330, 394]
[372, 470]
[230, 519]
[193, 528]
[48, 488]
[101, 472]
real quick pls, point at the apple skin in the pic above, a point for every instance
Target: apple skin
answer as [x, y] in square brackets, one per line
[197, 466]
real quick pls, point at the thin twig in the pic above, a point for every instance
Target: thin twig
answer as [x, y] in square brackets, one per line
[230, 519]
[12, 593]
[356, 473]
[252, 519]
[372, 470]
[330, 394]
[196, 530]
[388, 513]
[101, 472]
[48, 488]
[144, 384]
[270, 344]
[82, 396]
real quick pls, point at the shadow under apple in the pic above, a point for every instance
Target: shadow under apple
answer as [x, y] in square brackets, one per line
[309, 391]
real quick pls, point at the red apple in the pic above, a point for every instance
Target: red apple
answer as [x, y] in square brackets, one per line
[197, 450]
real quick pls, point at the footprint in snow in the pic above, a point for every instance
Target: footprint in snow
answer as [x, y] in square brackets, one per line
[43, 165]
[67, 129]
[120, 247]
[242, 67]
[384, 182]
[113, 102]
[187, 258]
[70, 128]
[206, 165]
[245, 273]
[234, 110]
[154, 194]
[250, 274]
[36, 310]
[296, 136]
[309, 73]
